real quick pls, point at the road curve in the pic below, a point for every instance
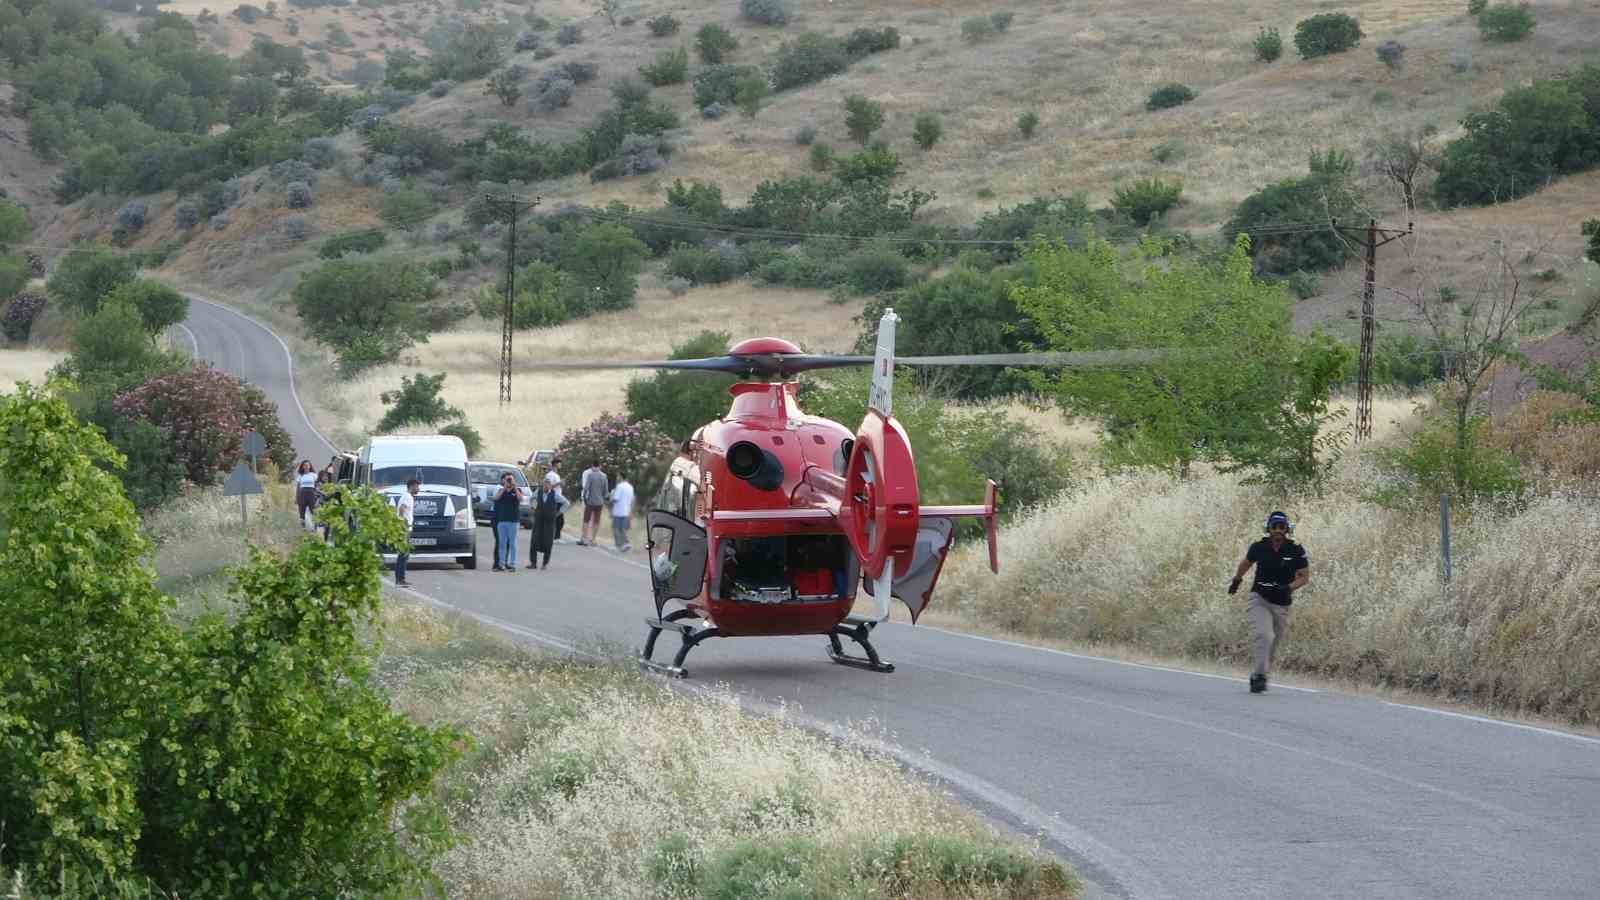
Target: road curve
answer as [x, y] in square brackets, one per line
[1155, 782]
[242, 346]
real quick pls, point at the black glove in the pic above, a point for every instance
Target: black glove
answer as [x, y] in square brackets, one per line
[1233, 586]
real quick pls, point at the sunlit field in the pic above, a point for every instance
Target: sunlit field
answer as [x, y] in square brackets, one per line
[25, 365]
[1142, 561]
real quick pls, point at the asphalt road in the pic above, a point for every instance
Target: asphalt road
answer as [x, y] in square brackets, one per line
[1155, 782]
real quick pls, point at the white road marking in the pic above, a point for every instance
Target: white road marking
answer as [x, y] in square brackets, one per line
[194, 344]
[288, 359]
[1489, 721]
[1120, 662]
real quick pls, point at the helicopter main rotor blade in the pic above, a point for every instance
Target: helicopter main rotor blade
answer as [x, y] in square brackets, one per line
[769, 364]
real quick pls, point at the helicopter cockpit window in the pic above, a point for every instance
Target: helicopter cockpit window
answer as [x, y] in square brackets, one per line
[784, 569]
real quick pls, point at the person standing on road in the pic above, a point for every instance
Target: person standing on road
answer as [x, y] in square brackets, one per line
[593, 492]
[548, 505]
[507, 506]
[1282, 568]
[552, 477]
[405, 506]
[621, 510]
[305, 493]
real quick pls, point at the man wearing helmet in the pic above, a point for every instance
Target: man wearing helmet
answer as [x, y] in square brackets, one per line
[1281, 569]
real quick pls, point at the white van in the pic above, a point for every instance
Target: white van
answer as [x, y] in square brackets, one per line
[442, 524]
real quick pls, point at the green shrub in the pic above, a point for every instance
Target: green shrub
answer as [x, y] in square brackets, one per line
[537, 303]
[866, 41]
[1392, 54]
[1310, 202]
[977, 28]
[1326, 33]
[706, 265]
[639, 450]
[876, 268]
[927, 130]
[369, 241]
[1407, 361]
[406, 208]
[821, 157]
[417, 402]
[876, 163]
[1027, 123]
[21, 310]
[680, 402]
[714, 42]
[765, 12]
[1001, 19]
[1147, 198]
[805, 134]
[1506, 23]
[1168, 96]
[1304, 285]
[1169, 150]
[1533, 134]
[807, 60]
[159, 306]
[862, 117]
[1476, 6]
[1432, 462]
[670, 67]
[1055, 217]
[720, 83]
[780, 867]
[1591, 229]
[1268, 44]
[749, 92]
[663, 25]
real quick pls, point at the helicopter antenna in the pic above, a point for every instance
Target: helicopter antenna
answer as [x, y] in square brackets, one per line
[881, 397]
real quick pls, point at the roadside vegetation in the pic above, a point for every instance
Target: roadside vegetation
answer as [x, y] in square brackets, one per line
[150, 735]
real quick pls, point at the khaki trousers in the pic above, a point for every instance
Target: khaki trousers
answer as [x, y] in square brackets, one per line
[1269, 625]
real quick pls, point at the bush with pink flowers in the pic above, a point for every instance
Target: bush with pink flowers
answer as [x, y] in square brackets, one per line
[638, 450]
[205, 414]
[20, 313]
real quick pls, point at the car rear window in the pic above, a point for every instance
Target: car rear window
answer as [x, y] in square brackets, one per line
[493, 474]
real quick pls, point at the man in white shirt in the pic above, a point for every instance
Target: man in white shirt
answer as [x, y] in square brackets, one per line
[621, 509]
[405, 506]
[553, 479]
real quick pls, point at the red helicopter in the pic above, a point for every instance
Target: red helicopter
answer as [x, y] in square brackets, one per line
[770, 518]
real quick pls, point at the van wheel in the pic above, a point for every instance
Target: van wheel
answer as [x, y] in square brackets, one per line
[469, 562]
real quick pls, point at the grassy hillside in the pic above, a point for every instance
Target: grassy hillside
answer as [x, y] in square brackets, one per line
[1085, 69]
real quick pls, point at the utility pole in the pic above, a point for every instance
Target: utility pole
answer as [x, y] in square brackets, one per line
[1368, 317]
[513, 205]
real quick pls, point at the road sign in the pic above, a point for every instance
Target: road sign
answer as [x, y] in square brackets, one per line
[241, 481]
[254, 446]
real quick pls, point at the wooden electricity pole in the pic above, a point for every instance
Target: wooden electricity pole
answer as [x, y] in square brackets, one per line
[1371, 234]
[512, 205]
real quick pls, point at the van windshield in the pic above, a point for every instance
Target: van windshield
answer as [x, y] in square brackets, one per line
[389, 476]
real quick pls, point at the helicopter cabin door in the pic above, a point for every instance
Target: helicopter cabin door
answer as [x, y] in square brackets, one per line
[914, 587]
[677, 550]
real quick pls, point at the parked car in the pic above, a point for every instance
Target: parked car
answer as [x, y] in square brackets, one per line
[442, 522]
[484, 480]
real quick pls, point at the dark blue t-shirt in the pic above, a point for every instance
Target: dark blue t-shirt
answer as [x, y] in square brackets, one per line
[505, 506]
[1275, 569]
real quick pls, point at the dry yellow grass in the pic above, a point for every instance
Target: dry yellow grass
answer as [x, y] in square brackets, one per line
[547, 404]
[25, 365]
[582, 773]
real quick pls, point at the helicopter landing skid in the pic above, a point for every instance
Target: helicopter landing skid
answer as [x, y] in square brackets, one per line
[860, 631]
[691, 635]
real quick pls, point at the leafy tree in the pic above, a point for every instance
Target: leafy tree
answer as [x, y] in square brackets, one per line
[663, 25]
[807, 60]
[506, 84]
[1533, 134]
[1326, 33]
[407, 207]
[720, 83]
[352, 242]
[927, 131]
[1308, 206]
[680, 402]
[1591, 229]
[1168, 96]
[765, 12]
[1147, 198]
[538, 302]
[159, 306]
[416, 402]
[1268, 44]
[862, 117]
[199, 410]
[670, 67]
[749, 92]
[1218, 332]
[86, 275]
[367, 311]
[714, 43]
[112, 348]
[13, 274]
[468, 54]
[14, 228]
[1505, 22]
[1027, 123]
[603, 261]
[1299, 441]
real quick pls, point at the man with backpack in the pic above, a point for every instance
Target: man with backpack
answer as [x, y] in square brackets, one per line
[1282, 568]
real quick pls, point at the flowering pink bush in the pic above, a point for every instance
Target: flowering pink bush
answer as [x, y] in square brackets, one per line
[638, 450]
[20, 313]
[205, 413]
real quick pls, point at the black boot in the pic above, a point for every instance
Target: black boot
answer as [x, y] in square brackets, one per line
[1258, 684]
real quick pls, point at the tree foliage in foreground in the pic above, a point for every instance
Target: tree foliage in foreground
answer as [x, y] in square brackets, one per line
[1226, 386]
[246, 756]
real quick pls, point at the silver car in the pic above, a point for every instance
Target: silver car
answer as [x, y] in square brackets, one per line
[484, 478]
